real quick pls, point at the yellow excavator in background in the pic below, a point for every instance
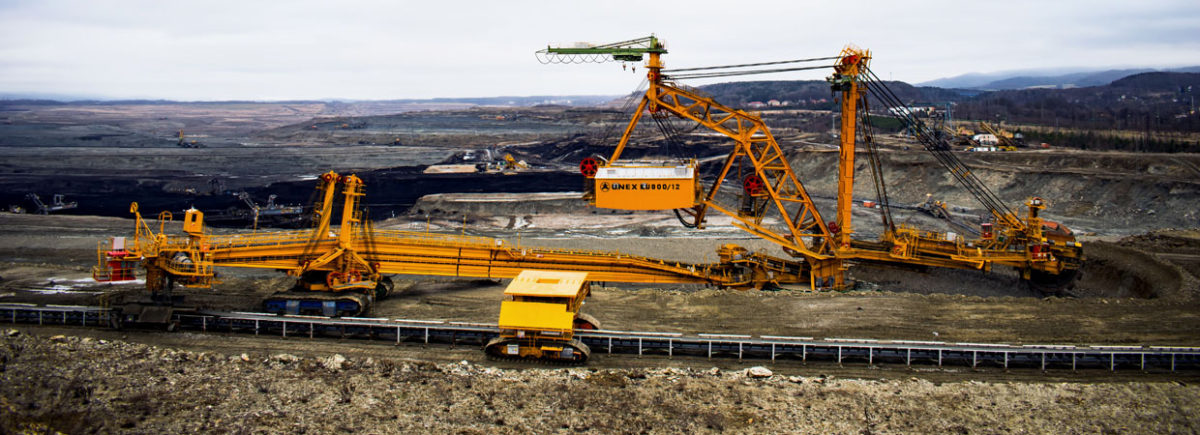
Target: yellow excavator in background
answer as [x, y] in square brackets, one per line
[1008, 141]
[512, 164]
[184, 143]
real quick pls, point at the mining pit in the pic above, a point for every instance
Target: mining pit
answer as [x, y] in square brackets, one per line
[1136, 214]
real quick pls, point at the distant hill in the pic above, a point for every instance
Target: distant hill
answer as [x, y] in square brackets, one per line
[1159, 102]
[1161, 93]
[1061, 79]
[1164, 94]
[1077, 80]
[815, 94]
[977, 80]
[1159, 81]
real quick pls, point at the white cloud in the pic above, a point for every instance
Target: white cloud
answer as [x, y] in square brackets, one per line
[207, 50]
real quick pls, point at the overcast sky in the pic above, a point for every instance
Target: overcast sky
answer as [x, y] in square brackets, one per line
[297, 49]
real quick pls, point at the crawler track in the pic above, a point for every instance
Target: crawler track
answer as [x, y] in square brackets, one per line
[1150, 359]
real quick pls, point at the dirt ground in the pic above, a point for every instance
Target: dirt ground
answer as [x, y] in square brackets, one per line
[68, 384]
[1137, 290]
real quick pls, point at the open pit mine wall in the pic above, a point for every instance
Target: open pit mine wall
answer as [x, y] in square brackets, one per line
[1110, 193]
[389, 192]
[1104, 192]
[1092, 191]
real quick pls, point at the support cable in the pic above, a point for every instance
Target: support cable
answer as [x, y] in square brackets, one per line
[625, 110]
[749, 72]
[941, 151]
[881, 196]
[671, 133]
[745, 65]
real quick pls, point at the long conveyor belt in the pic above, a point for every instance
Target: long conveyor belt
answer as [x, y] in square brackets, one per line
[1150, 359]
[400, 252]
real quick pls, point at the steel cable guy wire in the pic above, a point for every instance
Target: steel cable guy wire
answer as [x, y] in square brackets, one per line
[702, 68]
[743, 73]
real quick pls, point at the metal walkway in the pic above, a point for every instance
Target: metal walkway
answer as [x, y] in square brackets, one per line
[766, 347]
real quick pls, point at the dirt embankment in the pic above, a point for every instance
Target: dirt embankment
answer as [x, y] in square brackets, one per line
[1179, 247]
[1091, 192]
[74, 385]
[1105, 193]
[496, 204]
[460, 128]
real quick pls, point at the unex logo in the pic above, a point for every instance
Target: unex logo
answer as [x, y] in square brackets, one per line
[605, 187]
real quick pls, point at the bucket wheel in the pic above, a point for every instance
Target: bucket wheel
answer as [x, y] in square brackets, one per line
[1050, 284]
[384, 287]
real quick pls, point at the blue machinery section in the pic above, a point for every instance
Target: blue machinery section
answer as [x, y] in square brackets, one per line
[926, 353]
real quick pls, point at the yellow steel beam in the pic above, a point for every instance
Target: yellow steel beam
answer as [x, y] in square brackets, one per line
[845, 198]
[781, 183]
[415, 253]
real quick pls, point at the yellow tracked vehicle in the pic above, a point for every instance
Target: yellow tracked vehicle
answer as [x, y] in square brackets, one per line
[539, 316]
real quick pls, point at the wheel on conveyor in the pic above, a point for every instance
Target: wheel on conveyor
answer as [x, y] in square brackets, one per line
[384, 287]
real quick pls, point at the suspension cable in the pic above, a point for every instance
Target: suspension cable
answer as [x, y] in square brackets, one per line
[743, 73]
[749, 64]
[668, 131]
[881, 196]
[941, 151]
[625, 110]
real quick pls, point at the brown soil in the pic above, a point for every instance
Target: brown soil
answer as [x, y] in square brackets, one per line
[1129, 293]
[880, 315]
[72, 385]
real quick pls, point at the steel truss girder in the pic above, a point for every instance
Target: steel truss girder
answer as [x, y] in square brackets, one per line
[784, 193]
